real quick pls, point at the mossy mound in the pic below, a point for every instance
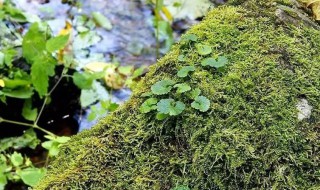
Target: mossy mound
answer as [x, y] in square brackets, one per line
[250, 138]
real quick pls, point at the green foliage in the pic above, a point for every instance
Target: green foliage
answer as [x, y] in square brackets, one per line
[250, 139]
[203, 49]
[54, 143]
[149, 105]
[221, 62]
[162, 87]
[171, 107]
[34, 42]
[31, 176]
[27, 112]
[28, 139]
[41, 69]
[57, 43]
[184, 71]
[201, 103]
[106, 106]
[16, 159]
[15, 167]
[182, 87]
[189, 37]
[195, 93]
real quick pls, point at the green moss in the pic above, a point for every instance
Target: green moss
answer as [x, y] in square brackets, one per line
[249, 139]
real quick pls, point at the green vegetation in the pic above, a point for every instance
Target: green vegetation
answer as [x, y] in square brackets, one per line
[28, 72]
[250, 137]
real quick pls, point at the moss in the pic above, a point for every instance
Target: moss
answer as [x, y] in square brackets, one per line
[249, 139]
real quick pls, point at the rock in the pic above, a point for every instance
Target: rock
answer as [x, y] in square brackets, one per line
[250, 138]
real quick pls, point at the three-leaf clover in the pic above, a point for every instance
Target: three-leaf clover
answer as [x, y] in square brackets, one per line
[221, 62]
[162, 87]
[149, 105]
[169, 106]
[184, 71]
[203, 49]
[201, 103]
[183, 87]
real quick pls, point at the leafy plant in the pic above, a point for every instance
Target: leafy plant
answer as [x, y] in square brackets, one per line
[149, 105]
[171, 107]
[182, 87]
[203, 49]
[184, 71]
[201, 103]
[221, 62]
[162, 87]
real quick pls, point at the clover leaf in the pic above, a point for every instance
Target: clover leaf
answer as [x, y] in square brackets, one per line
[184, 71]
[162, 87]
[203, 49]
[183, 87]
[201, 103]
[149, 105]
[169, 106]
[221, 62]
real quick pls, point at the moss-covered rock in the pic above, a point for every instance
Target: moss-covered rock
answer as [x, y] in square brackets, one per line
[250, 138]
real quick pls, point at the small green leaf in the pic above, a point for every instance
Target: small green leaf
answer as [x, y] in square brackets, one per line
[164, 106]
[62, 139]
[52, 146]
[88, 97]
[57, 43]
[83, 80]
[183, 87]
[169, 106]
[9, 55]
[16, 159]
[162, 87]
[184, 71]
[177, 108]
[161, 116]
[101, 20]
[146, 94]
[195, 93]
[201, 103]
[190, 37]
[221, 62]
[34, 42]
[203, 49]
[149, 105]
[3, 180]
[31, 176]
[109, 105]
[41, 69]
[22, 93]
[27, 112]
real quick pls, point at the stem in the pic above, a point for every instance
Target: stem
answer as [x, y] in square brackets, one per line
[46, 99]
[17, 122]
[28, 125]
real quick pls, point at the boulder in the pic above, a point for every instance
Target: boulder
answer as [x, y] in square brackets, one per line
[252, 136]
